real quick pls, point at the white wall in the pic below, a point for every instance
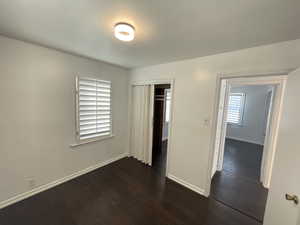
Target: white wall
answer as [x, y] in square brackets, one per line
[253, 125]
[37, 115]
[194, 99]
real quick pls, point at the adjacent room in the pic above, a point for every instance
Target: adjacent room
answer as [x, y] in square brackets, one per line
[136, 112]
[241, 165]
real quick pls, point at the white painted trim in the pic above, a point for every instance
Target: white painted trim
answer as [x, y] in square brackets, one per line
[91, 140]
[151, 122]
[253, 74]
[214, 132]
[279, 78]
[187, 184]
[272, 133]
[223, 126]
[52, 184]
[129, 119]
[266, 141]
[152, 82]
[220, 114]
[244, 140]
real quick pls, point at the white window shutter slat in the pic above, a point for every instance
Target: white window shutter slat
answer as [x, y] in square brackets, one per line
[94, 108]
[235, 108]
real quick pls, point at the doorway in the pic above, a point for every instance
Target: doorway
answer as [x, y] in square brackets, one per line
[151, 121]
[161, 115]
[246, 132]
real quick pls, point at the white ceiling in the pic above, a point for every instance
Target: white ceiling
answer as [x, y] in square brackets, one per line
[166, 30]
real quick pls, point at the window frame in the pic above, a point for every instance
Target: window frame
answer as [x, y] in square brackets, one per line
[243, 101]
[77, 113]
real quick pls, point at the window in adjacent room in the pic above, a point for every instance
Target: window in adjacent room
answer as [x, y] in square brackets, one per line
[235, 108]
[93, 108]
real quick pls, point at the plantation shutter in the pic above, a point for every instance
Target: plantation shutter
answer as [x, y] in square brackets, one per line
[235, 108]
[94, 108]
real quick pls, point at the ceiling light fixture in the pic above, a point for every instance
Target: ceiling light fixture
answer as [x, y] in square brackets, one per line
[124, 31]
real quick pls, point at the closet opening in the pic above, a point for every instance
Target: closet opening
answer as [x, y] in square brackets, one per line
[161, 120]
[151, 123]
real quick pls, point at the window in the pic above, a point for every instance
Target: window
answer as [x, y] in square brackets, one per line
[168, 105]
[93, 108]
[235, 108]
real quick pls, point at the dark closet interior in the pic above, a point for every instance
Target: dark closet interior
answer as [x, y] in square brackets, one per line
[159, 146]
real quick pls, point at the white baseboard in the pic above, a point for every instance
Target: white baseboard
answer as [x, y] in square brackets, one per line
[187, 185]
[52, 184]
[244, 140]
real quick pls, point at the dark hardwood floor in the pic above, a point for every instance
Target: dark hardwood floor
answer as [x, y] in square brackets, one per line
[238, 186]
[242, 159]
[159, 160]
[123, 193]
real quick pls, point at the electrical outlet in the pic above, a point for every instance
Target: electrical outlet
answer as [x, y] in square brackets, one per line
[31, 183]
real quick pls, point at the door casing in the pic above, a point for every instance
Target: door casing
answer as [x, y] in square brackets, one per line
[277, 79]
[151, 108]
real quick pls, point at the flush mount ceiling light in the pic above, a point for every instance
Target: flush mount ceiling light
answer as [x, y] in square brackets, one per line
[124, 31]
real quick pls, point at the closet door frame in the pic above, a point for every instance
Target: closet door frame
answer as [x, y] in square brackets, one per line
[151, 83]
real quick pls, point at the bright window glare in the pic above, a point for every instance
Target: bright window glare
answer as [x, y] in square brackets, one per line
[168, 105]
[235, 108]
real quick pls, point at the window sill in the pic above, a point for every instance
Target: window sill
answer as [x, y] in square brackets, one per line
[91, 141]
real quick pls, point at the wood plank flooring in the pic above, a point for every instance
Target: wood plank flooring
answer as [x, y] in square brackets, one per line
[238, 186]
[242, 159]
[123, 193]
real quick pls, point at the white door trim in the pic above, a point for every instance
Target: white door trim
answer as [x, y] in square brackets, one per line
[172, 88]
[266, 141]
[223, 128]
[151, 109]
[278, 79]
